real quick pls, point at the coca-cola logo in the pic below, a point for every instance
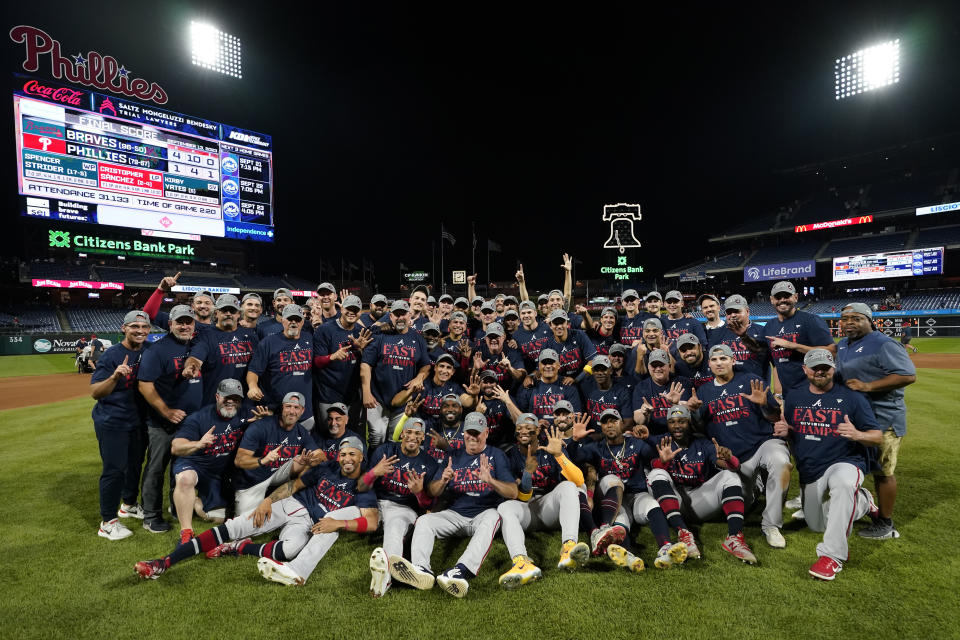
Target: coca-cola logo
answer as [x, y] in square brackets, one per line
[57, 94]
[92, 70]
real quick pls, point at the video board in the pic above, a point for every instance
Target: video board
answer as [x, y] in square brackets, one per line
[891, 264]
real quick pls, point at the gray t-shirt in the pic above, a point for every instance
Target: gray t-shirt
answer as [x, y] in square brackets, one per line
[870, 358]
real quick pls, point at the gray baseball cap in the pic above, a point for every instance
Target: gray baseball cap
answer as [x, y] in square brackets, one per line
[431, 300]
[600, 361]
[400, 305]
[609, 413]
[858, 307]
[415, 423]
[527, 418]
[352, 442]
[527, 304]
[431, 326]
[488, 305]
[817, 357]
[228, 301]
[622, 349]
[446, 298]
[458, 315]
[678, 411]
[295, 397]
[446, 357]
[352, 302]
[291, 311]
[461, 302]
[282, 291]
[510, 313]
[452, 397]
[653, 322]
[477, 300]
[182, 311]
[722, 349]
[654, 294]
[543, 297]
[557, 314]
[512, 299]
[489, 373]
[736, 302]
[658, 355]
[784, 286]
[378, 298]
[562, 405]
[251, 296]
[229, 388]
[673, 295]
[708, 296]
[687, 338]
[136, 315]
[548, 354]
[326, 286]
[556, 292]
[630, 293]
[609, 310]
[475, 421]
[338, 406]
[203, 294]
[495, 329]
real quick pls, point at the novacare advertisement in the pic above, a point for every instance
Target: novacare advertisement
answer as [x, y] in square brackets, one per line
[782, 271]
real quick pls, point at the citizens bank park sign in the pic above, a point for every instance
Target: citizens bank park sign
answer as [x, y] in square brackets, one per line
[92, 70]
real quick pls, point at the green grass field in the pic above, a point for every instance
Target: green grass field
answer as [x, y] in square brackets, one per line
[37, 365]
[85, 586]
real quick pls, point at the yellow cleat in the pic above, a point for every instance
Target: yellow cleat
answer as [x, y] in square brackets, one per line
[522, 572]
[623, 558]
[670, 554]
[574, 554]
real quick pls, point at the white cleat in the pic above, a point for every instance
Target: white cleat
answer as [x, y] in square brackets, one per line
[279, 572]
[379, 573]
[774, 537]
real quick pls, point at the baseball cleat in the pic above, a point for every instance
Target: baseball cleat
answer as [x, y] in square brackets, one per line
[670, 554]
[150, 569]
[130, 511]
[879, 530]
[453, 582]
[522, 572]
[686, 537]
[402, 570]
[606, 535]
[825, 568]
[113, 530]
[231, 548]
[774, 537]
[623, 558]
[738, 547]
[794, 503]
[279, 572]
[798, 515]
[574, 554]
[379, 573]
[185, 535]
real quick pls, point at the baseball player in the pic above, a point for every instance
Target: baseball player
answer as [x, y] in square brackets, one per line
[746, 340]
[675, 324]
[547, 499]
[828, 426]
[437, 387]
[337, 347]
[601, 393]
[281, 298]
[602, 334]
[655, 394]
[631, 325]
[337, 420]
[692, 362]
[695, 478]
[492, 354]
[710, 308]
[540, 398]
[652, 338]
[791, 335]
[310, 511]
[740, 411]
[251, 308]
[572, 346]
[447, 438]
[478, 476]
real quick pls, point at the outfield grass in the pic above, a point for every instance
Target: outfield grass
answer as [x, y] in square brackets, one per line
[60, 580]
[37, 365]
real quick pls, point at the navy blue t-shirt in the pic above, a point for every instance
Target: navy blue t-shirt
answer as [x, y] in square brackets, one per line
[745, 360]
[814, 418]
[546, 476]
[803, 328]
[598, 400]
[673, 329]
[736, 422]
[262, 437]
[162, 363]
[530, 342]
[692, 466]
[540, 398]
[499, 421]
[395, 359]
[574, 352]
[283, 365]
[339, 380]
[601, 343]
[228, 354]
[331, 445]
[699, 375]
[214, 458]
[626, 461]
[504, 379]
[433, 399]
[393, 486]
[647, 388]
[268, 327]
[454, 436]
[326, 489]
[123, 408]
[631, 329]
[473, 496]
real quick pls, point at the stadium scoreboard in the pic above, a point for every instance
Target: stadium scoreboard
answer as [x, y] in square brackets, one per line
[89, 157]
[894, 264]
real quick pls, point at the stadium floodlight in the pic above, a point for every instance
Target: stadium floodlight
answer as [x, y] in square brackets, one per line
[215, 50]
[867, 69]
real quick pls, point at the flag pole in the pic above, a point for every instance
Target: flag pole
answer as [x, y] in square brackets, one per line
[442, 279]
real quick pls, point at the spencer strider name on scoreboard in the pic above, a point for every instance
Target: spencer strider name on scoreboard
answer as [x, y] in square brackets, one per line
[92, 70]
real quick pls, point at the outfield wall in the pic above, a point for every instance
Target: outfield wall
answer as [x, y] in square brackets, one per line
[39, 343]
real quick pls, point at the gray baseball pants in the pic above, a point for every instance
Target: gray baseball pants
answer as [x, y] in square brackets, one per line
[397, 520]
[634, 507]
[704, 502]
[561, 506]
[247, 499]
[835, 517]
[481, 529]
[774, 456]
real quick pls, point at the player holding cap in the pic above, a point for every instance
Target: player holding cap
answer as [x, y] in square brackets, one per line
[828, 426]
[695, 478]
[792, 334]
[479, 478]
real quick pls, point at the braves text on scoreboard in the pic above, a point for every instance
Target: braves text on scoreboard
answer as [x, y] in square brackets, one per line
[88, 157]
[894, 264]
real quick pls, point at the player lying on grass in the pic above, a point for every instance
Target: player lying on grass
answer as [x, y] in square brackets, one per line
[696, 478]
[308, 510]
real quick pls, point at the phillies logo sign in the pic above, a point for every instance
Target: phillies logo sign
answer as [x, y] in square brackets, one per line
[94, 70]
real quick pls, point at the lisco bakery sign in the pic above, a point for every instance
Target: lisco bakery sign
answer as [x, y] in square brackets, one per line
[87, 243]
[92, 70]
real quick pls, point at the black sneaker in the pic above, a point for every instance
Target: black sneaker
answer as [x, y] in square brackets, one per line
[156, 526]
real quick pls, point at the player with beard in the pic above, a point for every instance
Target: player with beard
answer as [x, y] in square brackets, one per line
[492, 403]
[547, 499]
[511, 322]
[202, 305]
[283, 362]
[251, 308]
[747, 340]
[540, 398]
[531, 335]
[692, 363]
[457, 344]
[493, 355]
[310, 511]
[791, 335]
[448, 436]
[436, 388]
[710, 308]
[337, 420]
[337, 348]
[418, 308]
[574, 350]
[696, 478]
[431, 335]
[631, 325]
[229, 348]
[398, 477]
[479, 478]
[675, 324]
[204, 455]
[281, 298]
[603, 335]
[378, 309]
[619, 371]
[396, 359]
[600, 394]
[654, 395]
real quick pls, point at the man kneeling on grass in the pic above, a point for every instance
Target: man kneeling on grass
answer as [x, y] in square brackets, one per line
[309, 511]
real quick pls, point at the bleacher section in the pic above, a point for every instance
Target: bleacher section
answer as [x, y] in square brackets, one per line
[946, 300]
[791, 253]
[143, 277]
[59, 271]
[905, 192]
[948, 237]
[29, 320]
[866, 244]
[833, 305]
[728, 262]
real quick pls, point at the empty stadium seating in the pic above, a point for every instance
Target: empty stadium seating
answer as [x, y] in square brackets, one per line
[867, 244]
[30, 320]
[790, 253]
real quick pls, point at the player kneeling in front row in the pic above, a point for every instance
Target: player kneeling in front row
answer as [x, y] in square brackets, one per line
[479, 478]
[828, 426]
[704, 472]
[548, 498]
[309, 510]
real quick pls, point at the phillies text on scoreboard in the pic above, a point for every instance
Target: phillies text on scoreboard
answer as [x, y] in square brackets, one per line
[893, 264]
[88, 157]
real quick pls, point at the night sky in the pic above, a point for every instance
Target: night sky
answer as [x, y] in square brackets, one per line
[388, 120]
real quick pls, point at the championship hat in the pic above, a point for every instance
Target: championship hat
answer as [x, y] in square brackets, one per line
[282, 291]
[136, 316]
[687, 338]
[415, 423]
[400, 305]
[477, 300]
[722, 349]
[488, 373]
[630, 293]
[512, 299]
[352, 302]
[475, 421]
[653, 322]
[678, 411]
[203, 294]
[488, 305]
[338, 406]
[326, 286]
[227, 301]
[458, 315]
[708, 296]
[784, 286]
[351, 442]
[609, 413]
[510, 313]
[542, 298]
[673, 295]
[431, 301]
[378, 298]
[296, 398]
[446, 357]
[527, 418]
[654, 294]
[452, 397]
[600, 361]
[230, 388]
[431, 326]
[817, 357]
[858, 307]
[557, 314]
[562, 405]
[609, 310]
[461, 303]
[292, 311]
[495, 329]
[182, 311]
[527, 304]
[659, 355]
[251, 296]
[735, 302]
[548, 354]
[446, 298]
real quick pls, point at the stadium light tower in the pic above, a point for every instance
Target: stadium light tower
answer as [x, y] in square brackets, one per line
[215, 50]
[867, 70]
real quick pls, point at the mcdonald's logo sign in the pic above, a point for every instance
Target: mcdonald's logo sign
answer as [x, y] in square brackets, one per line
[845, 222]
